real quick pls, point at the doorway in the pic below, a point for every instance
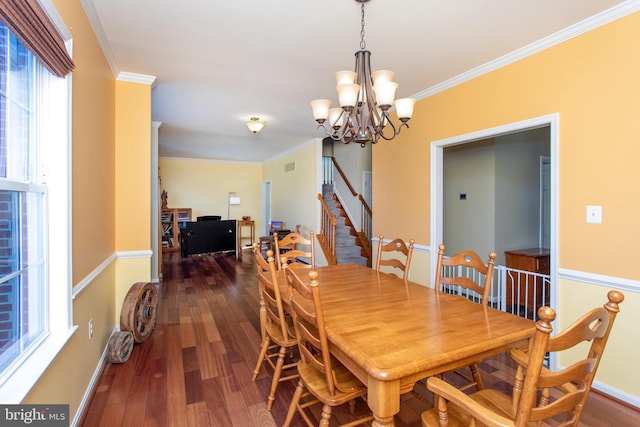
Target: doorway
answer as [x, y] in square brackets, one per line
[437, 201]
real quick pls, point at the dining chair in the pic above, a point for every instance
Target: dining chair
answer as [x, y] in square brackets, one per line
[322, 377]
[266, 242]
[276, 327]
[538, 393]
[463, 272]
[289, 248]
[466, 271]
[397, 249]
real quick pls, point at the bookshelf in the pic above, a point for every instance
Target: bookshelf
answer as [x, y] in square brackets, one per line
[170, 220]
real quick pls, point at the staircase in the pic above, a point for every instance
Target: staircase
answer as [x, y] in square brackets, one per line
[347, 249]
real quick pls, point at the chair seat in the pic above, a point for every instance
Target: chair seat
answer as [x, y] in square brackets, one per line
[350, 387]
[493, 400]
[275, 333]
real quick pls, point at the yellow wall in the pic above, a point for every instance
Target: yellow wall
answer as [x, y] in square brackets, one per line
[592, 82]
[93, 155]
[294, 194]
[133, 187]
[68, 378]
[133, 175]
[204, 187]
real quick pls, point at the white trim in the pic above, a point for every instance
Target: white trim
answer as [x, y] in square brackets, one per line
[88, 279]
[81, 286]
[436, 178]
[94, 20]
[600, 280]
[591, 23]
[134, 254]
[614, 392]
[95, 380]
[137, 78]
[19, 384]
[55, 18]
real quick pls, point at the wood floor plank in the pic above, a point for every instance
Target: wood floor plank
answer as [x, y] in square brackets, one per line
[176, 394]
[238, 410]
[206, 358]
[216, 404]
[156, 412]
[135, 410]
[198, 414]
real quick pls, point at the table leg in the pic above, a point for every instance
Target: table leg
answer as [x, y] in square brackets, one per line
[383, 398]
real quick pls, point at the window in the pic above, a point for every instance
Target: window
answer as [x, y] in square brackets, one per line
[35, 319]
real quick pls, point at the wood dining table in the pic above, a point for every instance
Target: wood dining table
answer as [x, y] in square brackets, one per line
[391, 333]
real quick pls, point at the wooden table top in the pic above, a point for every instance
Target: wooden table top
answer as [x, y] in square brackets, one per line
[388, 331]
[394, 329]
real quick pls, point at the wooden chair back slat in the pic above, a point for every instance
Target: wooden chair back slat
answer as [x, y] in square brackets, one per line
[400, 248]
[289, 247]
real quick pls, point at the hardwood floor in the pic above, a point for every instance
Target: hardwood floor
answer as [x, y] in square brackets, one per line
[195, 369]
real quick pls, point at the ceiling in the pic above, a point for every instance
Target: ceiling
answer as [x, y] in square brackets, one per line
[218, 63]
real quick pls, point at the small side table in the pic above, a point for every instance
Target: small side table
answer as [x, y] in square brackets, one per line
[252, 234]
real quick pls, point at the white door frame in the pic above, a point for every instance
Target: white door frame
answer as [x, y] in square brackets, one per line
[436, 189]
[266, 206]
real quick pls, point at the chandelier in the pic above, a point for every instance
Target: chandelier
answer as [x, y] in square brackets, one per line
[365, 98]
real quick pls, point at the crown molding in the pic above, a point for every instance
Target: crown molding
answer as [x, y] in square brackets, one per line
[591, 23]
[137, 78]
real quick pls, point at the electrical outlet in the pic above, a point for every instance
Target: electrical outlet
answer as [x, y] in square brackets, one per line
[90, 328]
[594, 214]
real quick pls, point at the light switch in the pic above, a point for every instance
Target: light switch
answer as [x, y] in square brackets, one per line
[594, 214]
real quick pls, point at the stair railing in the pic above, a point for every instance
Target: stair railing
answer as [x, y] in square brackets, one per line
[364, 234]
[327, 235]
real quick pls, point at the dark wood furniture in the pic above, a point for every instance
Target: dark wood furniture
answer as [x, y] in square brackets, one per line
[266, 242]
[390, 333]
[207, 237]
[170, 221]
[242, 225]
[523, 290]
[539, 394]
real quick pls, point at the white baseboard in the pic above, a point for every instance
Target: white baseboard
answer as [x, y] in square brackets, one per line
[95, 379]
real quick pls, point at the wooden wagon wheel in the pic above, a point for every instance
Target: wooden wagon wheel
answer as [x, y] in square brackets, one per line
[120, 347]
[138, 313]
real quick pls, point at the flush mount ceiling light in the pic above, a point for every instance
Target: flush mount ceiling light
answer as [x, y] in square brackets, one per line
[365, 99]
[255, 125]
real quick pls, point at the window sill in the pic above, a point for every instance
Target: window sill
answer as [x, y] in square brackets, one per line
[20, 383]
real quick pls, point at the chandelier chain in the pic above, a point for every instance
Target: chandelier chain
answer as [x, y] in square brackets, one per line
[363, 45]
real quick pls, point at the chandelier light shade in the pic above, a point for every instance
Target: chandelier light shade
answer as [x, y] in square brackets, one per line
[365, 98]
[255, 125]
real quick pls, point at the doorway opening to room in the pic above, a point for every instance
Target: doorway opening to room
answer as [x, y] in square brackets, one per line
[495, 190]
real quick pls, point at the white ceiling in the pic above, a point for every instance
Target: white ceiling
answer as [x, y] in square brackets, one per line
[218, 63]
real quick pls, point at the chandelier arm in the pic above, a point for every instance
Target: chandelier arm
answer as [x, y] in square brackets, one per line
[396, 131]
[339, 133]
